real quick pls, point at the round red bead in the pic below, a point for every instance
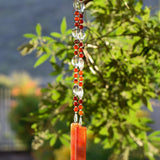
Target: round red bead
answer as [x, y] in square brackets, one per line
[80, 78]
[75, 80]
[80, 72]
[75, 104]
[76, 41]
[81, 44]
[80, 84]
[76, 109]
[80, 113]
[75, 98]
[80, 107]
[75, 52]
[75, 75]
[80, 49]
[80, 15]
[76, 18]
[75, 46]
[76, 24]
[81, 55]
[81, 21]
[76, 13]
[80, 101]
[76, 70]
[80, 26]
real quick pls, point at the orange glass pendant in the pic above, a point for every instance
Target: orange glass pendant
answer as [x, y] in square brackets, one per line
[78, 142]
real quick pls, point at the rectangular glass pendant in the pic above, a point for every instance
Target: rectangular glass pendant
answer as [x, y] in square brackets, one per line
[78, 142]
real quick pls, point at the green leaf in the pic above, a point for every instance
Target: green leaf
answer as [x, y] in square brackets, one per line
[59, 78]
[155, 133]
[56, 35]
[149, 106]
[53, 140]
[38, 29]
[63, 26]
[64, 141]
[41, 60]
[29, 35]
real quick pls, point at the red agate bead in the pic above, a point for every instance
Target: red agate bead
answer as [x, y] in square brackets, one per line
[81, 21]
[76, 24]
[80, 26]
[75, 80]
[76, 41]
[80, 49]
[75, 75]
[81, 44]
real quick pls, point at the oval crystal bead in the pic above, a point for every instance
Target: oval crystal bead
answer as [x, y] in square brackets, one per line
[81, 63]
[80, 92]
[81, 35]
[82, 7]
[76, 5]
[75, 32]
[75, 90]
[75, 60]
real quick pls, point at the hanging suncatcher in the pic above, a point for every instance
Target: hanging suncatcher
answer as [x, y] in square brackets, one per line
[78, 132]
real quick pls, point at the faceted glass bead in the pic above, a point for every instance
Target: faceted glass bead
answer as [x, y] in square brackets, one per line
[75, 118]
[75, 60]
[81, 55]
[80, 107]
[76, 5]
[80, 101]
[76, 18]
[75, 98]
[81, 113]
[75, 80]
[80, 92]
[75, 32]
[81, 35]
[80, 72]
[75, 103]
[76, 70]
[81, 64]
[76, 109]
[80, 84]
[75, 90]
[75, 52]
[75, 75]
[82, 7]
[80, 26]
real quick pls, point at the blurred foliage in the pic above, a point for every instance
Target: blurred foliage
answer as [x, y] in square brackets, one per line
[25, 94]
[121, 74]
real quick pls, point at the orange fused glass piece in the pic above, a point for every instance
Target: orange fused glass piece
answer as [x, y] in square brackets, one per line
[78, 142]
[80, 84]
[80, 107]
[75, 80]
[80, 113]
[75, 75]
[75, 69]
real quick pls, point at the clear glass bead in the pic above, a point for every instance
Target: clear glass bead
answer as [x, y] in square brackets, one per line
[76, 5]
[81, 64]
[80, 92]
[75, 32]
[75, 61]
[80, 121]
[82, 7]
[75, 90]
[81, 35]
[75, 117]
